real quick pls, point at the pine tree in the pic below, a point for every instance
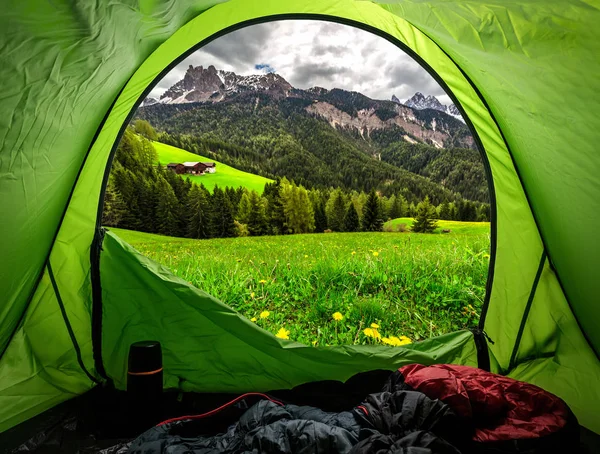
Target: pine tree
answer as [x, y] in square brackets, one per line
[397, 207]
[372, 221]
[425, 218]
[222, 220]
[412, 210]
[336, 210]
[274, 212]
[114, 207]
[147, 198]
[126, 184]
[351, 221]
[444, 211]
[167, 209]
[320, 217]
[299, 216]
[257, 218]
[199, 209]
[244, 208]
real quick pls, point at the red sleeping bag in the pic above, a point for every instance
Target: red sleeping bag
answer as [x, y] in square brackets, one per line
[506, 415]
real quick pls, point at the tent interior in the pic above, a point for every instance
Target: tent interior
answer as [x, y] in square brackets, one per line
[75, 296]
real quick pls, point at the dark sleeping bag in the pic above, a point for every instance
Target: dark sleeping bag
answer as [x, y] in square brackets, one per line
[421, 410]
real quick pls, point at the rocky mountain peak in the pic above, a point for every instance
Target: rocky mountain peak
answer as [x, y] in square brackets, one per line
[419, 101]
[201, 84]
[395, 99]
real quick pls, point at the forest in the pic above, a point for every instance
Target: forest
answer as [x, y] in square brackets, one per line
[144, 196]
[279, 138]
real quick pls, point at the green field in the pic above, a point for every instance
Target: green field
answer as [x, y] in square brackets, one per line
[413, 285]
[455, 227]
[224, 176]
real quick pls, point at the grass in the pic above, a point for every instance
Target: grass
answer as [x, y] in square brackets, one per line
[455, 227]
[224, 176]
[413, 285]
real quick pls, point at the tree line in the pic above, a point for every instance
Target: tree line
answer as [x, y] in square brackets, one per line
[145, 197]
[278, 137]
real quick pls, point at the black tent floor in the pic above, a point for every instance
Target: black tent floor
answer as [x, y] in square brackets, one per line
[104, 421]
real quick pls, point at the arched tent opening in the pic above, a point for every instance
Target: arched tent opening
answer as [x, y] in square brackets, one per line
[74, 300]
[185, 125]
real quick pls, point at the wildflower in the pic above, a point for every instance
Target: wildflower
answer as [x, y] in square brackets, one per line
[262, 281]
[252, 294]
[253, 319]
[305, 256]
[353, 252]
[368, 332]
[264, 314]
[405, 340]
[374, 326]
[283, 333]
[338, 316]
[375, 253]
[376, 334]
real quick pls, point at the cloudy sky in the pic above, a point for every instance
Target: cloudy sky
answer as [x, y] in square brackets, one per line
[315, 53]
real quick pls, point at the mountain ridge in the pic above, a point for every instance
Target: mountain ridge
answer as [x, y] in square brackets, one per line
[432, 123]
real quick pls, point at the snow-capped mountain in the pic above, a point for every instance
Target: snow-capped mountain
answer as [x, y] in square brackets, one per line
[210, 84]
[420, 102]
[214, 85]
[341, 108]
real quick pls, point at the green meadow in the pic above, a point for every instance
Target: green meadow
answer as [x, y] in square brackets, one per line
[455, 227]
[224, 176]
[339, 288]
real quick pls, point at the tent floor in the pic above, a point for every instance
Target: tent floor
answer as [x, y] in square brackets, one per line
[102, 420]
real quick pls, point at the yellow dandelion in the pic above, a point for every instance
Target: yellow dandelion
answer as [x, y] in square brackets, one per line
[386, 341]
[252, 294]
[374, 326]
[395, 341]
[264, 314]
[353, 252]
[368, 332]
[262, 281]
[283, 333]
[375, 253]
[253, 319]
[404, 340]
[337, 316]
[376, 334]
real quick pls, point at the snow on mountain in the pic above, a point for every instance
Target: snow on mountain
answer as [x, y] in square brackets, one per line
[212, 85]
[209, 84]
[419, 101]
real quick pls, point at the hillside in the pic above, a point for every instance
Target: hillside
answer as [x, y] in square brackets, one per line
[225, 175]
[272, 138]
[320, 138]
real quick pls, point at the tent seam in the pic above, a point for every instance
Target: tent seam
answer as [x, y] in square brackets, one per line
[60, 223]
[527, 309]
[68, 324]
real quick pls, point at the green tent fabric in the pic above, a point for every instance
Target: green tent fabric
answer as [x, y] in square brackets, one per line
[524, 74]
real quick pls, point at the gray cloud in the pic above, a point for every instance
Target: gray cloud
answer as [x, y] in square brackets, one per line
[315, 53]
[242, 46]
[311, 74]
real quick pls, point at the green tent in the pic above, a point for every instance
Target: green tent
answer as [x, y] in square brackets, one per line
[525, 75]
